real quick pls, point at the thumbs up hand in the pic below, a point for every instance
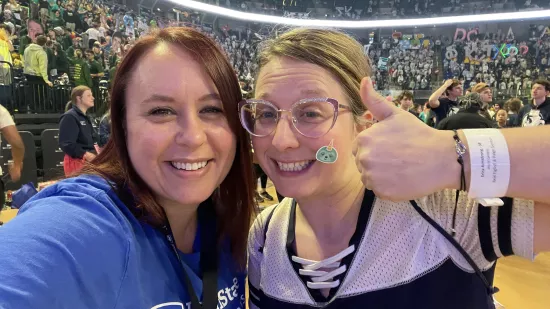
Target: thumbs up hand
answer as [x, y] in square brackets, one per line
[399, 157]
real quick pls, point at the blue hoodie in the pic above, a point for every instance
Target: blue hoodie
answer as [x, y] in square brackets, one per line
[76, 245]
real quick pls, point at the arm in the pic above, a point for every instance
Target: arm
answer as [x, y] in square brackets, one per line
[525, 174]
[43, 65]
[434, 98]
[17, 150]
[68, 134]
[486, 233]
[87, 76]
[524, 169]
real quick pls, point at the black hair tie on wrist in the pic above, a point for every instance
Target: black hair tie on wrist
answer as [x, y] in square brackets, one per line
[460, 151]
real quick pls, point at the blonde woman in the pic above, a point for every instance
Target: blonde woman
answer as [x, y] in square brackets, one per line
[76, 133]
[333, 243]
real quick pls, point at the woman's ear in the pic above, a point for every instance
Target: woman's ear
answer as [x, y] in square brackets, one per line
[364, 122]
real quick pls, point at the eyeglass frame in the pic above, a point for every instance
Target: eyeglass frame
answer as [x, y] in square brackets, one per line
[335, 106]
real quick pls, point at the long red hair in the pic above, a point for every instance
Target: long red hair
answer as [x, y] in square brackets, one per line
[234, 198]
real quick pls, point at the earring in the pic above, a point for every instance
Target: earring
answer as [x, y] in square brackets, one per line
[327, 154]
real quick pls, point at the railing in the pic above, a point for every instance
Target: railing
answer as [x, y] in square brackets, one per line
[18, 95]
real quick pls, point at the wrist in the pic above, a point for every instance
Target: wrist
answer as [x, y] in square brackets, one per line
[448, 165]
[451, 169]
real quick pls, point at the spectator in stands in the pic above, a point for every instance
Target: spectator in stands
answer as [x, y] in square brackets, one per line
[513, 107]
[80, 70]
[104, 130]
[52, 65]
[10, 133]
[44, 6]
[36, 62]
[96, 69]
[501, 118]
[75, 44]
[98, 53]
[446, 106]
[93, 35]
[538, 111]
[61, 59]
[112, 72]
[71, 18]
[76, 133]
[486, 96]
[470, 115]
[5, 70]
[406, 102]
[34, 28]
[64, 37]
[57, 20]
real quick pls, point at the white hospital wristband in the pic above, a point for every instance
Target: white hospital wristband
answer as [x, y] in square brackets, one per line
[489, 163]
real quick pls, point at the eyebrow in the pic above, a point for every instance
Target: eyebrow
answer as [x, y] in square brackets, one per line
[159, 98]
[210, 97]
[167, 99]
[314, 92]
[309, 93]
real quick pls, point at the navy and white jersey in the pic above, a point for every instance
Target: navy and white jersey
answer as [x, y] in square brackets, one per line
[396, 259]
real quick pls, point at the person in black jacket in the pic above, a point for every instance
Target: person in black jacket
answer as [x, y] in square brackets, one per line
[468, 117]
[76, 134]
[537, 112]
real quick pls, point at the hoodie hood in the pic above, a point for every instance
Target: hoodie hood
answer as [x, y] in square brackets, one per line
[35, 47]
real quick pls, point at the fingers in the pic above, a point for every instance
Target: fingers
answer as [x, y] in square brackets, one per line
[374, 102]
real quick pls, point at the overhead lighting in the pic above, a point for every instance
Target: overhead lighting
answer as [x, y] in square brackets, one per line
[391, 23]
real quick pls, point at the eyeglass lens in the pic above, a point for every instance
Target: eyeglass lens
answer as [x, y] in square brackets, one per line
[311, 118]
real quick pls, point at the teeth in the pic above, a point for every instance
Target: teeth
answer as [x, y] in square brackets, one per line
[294, 166]
[189, 166]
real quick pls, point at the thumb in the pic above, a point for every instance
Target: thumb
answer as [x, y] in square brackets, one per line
[374, 102]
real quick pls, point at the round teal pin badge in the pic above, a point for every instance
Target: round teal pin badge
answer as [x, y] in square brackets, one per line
[327, 154]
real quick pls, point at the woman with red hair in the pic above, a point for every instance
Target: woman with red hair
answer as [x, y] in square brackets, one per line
[161, 216]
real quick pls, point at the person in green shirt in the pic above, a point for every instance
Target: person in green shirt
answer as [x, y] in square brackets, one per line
[64, 37]
[52, 64]
[112, 72]
[61, 59]
[75, 46]
[96, 69]
[57, 20]
[80, 70]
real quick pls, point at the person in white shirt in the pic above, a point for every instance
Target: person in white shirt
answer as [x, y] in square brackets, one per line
[93, 35]
[10, 133]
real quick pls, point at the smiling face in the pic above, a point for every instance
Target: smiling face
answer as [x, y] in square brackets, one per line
[179, 140]
[289, 158]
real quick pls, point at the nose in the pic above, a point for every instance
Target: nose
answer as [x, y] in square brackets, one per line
[284, 137]
[191, 131]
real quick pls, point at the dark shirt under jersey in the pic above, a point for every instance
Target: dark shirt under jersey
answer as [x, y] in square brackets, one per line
[445, 109]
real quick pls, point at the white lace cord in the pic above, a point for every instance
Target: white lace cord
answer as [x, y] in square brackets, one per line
[320, 277]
